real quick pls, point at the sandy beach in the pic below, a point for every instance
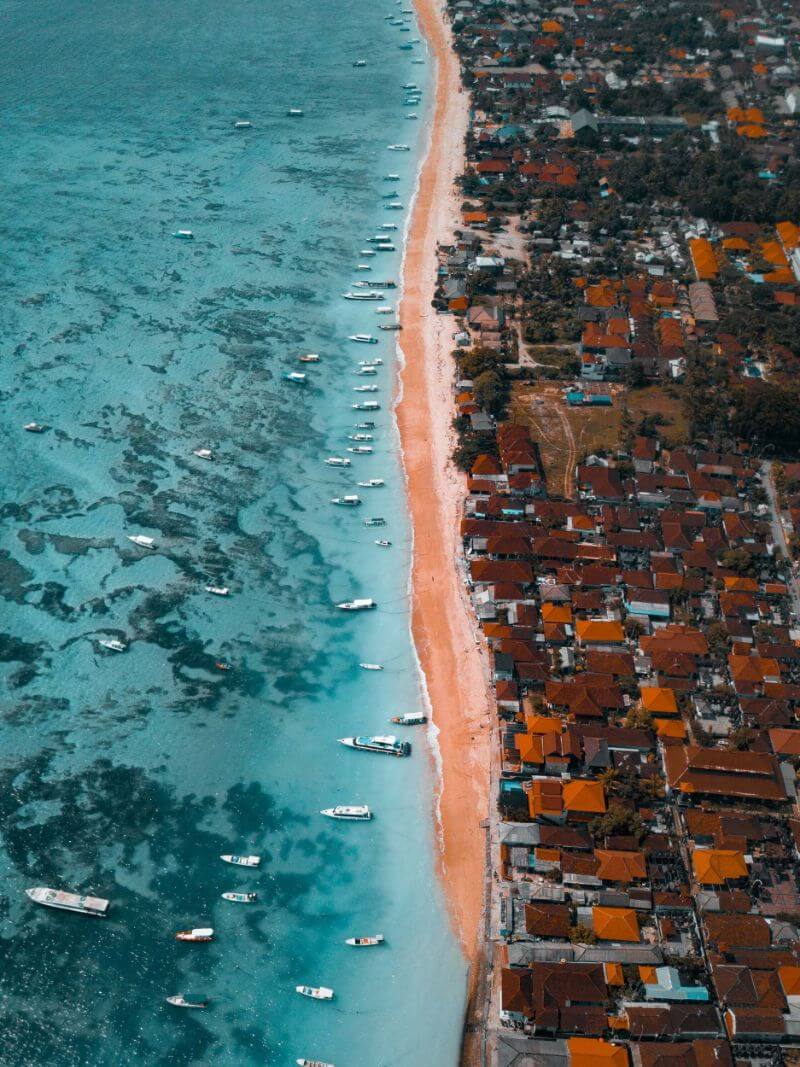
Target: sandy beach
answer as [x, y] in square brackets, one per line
[443, 625]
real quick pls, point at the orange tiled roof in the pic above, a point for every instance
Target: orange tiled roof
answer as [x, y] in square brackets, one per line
[581, 795]
[789, 234]
[670, 728]
[615, 924]
[600, 630]
[703, 258]
[618, 866]
[593, 1052]
[659, 700]
[714, 866]
[790, 980]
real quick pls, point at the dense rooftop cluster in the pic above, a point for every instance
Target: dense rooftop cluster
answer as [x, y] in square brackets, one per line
[630, 216]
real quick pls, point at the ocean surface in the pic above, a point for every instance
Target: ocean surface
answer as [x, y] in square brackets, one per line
[128, 774]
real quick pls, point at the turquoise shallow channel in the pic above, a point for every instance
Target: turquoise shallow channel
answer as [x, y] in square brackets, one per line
[128, 774]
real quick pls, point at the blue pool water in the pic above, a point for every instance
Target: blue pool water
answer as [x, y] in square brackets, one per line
[129, 774]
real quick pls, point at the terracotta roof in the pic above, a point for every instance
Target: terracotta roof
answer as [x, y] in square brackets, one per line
[620, 866]
[600, 631]
[715, 866]
[615, 924]
[591, 1052]
[581, 795]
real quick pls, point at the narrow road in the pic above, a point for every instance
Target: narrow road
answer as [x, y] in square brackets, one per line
[779, 534]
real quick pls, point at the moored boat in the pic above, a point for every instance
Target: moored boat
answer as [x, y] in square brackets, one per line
[385, 746]
[372, 483]
[376, 520]
[366, 942]
[352, 812]
[359, 437]
[362, 296]
[302, 1062]
[240, 898]
[349, 501]
[142, 541]
[295, 112]
[320, 992]
[184, 235]
[383, 544]
[371, 666]
[201, 934]
[362, 604]
[242, 861]
[363, 338]
[338, 461]
[366, 405]
[309, 357]
[296, 376]
[217, 590]
[391, 326]
[242, 124]
[360, 450]
[112, 644]
[188, 1000]
[34, 427]
[378, 362]
[411, 718]
[398, 148]
[203, 453]
[63, 901]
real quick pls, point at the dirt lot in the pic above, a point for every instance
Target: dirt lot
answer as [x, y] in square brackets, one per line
[566, 434]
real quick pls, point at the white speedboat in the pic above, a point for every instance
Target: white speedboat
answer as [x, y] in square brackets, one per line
[372, 483]
[418, 61]
[365, 942]
[242, 124]
[141, 541]
[391, 177]
[385, 746]
[366, 371]
[309, 357]
[366, 405]
[188, 1000]
[295, 112]
[413, 115]
[371, 666]
[363, 338]
[362, 604]
[389, 226]
[363, 266]
[411, 718]
[296, 376]
[385, 310]
[34, 427]
[366, 252]
[112, 644]
[240, 898]
[242, 861]
[357, 63]
[365, 425]
[320, 992]
[362, 296]
[338, 461]
[391, 326]
[383, 544]
[398, 148]
[360, 450]
[376, 520]
[63, 901]
[303, 1062]
[349, 501]
[184, 235]
[217, 590]
[201, 934]
[203, 453]
[378, 362]
[365, 388]
[354, 812]
[360, 437]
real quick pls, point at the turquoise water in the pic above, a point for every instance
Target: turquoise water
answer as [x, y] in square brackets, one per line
[128, 775]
